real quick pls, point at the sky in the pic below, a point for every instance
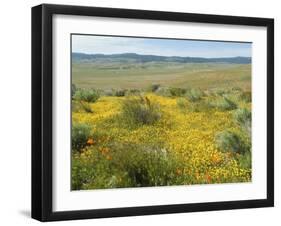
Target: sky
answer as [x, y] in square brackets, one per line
[92, 44]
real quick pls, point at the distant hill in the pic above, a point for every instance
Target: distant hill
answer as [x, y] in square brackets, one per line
[138, 58]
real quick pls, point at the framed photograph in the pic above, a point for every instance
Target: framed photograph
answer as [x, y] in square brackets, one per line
[145, 112]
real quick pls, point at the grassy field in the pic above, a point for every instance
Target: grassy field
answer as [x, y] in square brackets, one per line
[192, 75]
[173, 124]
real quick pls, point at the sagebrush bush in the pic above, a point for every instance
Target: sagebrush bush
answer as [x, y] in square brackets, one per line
[150, 166]
[75, 106]
[236, 89]
[245, 160]
[73, 90]
[133, 92]
[194, 95]
[209, 93]
[231, 141]
[177, 92]
[163, 91]
[88, 95]
[221, 92]
[81, 106]
[200, 106]
[120, 92]
[243, 117]
[127, 166]
[80, 134]
[225, 104]
[153, 87]
[140, 110]
[86, 107]
[82, 172]
[108, 92]
[246, 96]
[182, 103]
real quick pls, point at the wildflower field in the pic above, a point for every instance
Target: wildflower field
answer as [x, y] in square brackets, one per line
[160, 135]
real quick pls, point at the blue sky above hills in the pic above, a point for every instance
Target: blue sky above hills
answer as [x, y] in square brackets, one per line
[91, 44]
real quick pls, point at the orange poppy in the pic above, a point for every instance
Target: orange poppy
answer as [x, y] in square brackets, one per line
[90, 141]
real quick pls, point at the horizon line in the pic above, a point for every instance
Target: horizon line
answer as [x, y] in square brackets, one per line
[159, 55]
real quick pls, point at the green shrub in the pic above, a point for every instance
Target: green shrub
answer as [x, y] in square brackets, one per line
[75, 106]
[108, 92]
[236, 89]
[127, 166]
[209, 93]
[86, 107]
[243, 117]
[88, 95]
[225, 104]
[246, 96]
[140, 110]
[199, 106]
[182, 103]
[153, 87]
[82, 172]
[221, 92]
[81, 106]
[73, 90]
[163, 91]
[176, 92]
[133, 92]
[80, 133]
[245, 160]
[120, 92]
[194, 95]
[149, 166]
[231, 141]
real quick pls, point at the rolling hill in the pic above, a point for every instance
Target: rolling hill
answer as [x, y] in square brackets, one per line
[138, 58]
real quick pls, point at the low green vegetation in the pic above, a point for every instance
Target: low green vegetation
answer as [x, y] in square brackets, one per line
[140, 110]
[126, 166]
[176, 91]
[80, 134]
[194, 95]
[88, 95]
[231, 141]
[119, 92]
[153, 87]
[225, 104]
[246, 96]
[182, 103]
[73, 90]
[243, 117]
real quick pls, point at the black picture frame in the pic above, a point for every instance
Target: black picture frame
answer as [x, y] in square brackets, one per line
[42, 111]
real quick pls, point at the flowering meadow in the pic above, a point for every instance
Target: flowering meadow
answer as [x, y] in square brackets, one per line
[160, 136]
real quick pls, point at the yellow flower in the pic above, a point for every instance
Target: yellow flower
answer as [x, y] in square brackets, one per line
[109, 157]
[178, 172]
[190, 135]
